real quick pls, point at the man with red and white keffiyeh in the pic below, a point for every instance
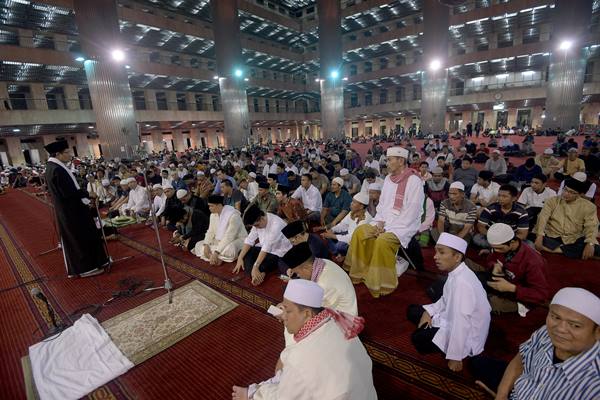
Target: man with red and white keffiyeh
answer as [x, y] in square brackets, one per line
[328, 360]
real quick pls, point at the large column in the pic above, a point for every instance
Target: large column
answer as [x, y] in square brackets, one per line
[38, 96]
[71, 97]
[178, 141]
[566, 72]
[157, 141]
[434, 78]
[83, 145]
[226, 29]
[330, 53]
[4, 101]
[98, 25]
[15, 151]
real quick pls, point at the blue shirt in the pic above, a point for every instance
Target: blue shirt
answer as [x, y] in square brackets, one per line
[337, 204]
[576, 378]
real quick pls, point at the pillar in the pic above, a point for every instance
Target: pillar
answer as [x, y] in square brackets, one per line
[566, 71]
[99, 35]
[25, 37]
[157, 141]
[150, 99]
[172, 100]
[38, 96]
[15, 151]
[434, 82]
[361, 127]
[190, 99]
[330, 53]
[234, 101]
[71, 97]
[60, 42]
[4, 101]
[178, 141]
[83, 145]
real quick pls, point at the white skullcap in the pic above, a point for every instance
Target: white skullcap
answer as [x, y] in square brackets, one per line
[167, 186]
[452, 241]
[181, 193]
[499, 234]
[457, 185]
[192, 163]
[549, 151]
[376, 186]
[335, 158]
[496, 151]
[180, 165]
[124, 181]
[200, 173]
[362, 198]
[171, 165]
[572, 149]
[579, 300]
[157, 186]
[338, 180]
[105, 182]
[397, 151]
[252, 174]
[304, 292]
[212, 170]
[344, 172]
[580, 176]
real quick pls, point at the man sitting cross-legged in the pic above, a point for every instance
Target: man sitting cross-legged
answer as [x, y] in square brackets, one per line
[225, 236]
[258, 259]
[568, 224]
[328, 360]
[458, 323]
[559, 361]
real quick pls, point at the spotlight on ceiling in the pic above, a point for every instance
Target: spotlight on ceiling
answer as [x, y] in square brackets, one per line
[16, 130]
[345, 78]
[435, 65]
[565, 45]
[238, 73]
[216, 77]
[80, 59]
[246, 79]
[118, 55]
[334, 74]
[91, 127]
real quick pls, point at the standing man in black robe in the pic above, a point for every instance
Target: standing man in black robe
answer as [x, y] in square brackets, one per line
[80, 238]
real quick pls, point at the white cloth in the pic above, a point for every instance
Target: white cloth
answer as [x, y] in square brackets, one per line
[229, 240]
[224, 217]
[365, 184]
[292, 168]
[403, 223]
[429, 216]
[462, 315]
[182, 172]
[76, 362]
[63, 166]
[269, 170]
[270, 238]
[138, 199]
[346, 227]
[529, 198]
[485, 194]
[311, 198]
[322, 366]
[252, 191]
[372, 164]
[589, 194]
[166, 182]
[158, 204]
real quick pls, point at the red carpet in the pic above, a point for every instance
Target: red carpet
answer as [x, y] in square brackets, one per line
[238, 348]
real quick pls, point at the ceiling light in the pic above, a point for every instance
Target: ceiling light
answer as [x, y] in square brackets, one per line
[435, 65]
[565, 44]
[80, 59]
[118, 55]
[216, 77]
[91, 127]
[334, 74]
[16, 130]
[345, 78]
[246, 79]
[238, 73]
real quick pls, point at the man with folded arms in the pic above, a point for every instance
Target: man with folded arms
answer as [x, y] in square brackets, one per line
[458, 323]
[328, 360]
[225, 236]
[559, 361]
[256, 259]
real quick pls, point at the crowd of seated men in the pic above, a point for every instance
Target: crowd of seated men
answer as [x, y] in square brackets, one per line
[255, 208]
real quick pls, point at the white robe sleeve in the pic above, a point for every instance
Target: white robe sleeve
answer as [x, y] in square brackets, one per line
[459, 324]
[233, 227]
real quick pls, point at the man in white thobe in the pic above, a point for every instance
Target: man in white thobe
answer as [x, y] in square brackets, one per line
[225, 236]
[458, 323]
[311, 197]
[159, 201]
[328, 360]
[138, 203]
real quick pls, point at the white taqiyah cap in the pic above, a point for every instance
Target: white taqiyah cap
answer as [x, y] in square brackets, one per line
[338, 180]
[304, 292]
[499, 234]
[171, 165]
[200, 173]
[252, 174]
[344, 172]
[212, 170]
[549, 151]
[457, 185]
[496, 151]
[376, 186]
[579, 300]
[452, 241]
[180, 165]
[572, 149]
[167, 186]
[335, 158]
[397, 151]
[181, 193]
[157, 186]
[105, 182]
[362, 198]
[580, 176]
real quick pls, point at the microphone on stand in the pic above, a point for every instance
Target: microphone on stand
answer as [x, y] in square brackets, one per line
[35, 292]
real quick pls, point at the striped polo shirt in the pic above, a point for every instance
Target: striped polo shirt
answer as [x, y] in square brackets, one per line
[577, 378]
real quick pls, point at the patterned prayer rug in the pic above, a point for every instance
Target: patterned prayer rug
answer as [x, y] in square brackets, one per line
[152, 327]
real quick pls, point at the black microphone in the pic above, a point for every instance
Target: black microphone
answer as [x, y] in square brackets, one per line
[35, 292]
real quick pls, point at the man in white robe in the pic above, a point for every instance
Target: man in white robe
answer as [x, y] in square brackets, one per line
[328, 360]
[225, 236]
[159, 201]
[138, 203]
[458, 323]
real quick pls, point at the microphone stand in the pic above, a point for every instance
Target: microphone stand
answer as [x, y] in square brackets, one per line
[168, 286]
[110, 259]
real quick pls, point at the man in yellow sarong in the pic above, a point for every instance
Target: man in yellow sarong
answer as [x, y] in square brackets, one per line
[372, 254]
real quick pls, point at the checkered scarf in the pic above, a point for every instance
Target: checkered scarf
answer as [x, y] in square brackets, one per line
[350, 325]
